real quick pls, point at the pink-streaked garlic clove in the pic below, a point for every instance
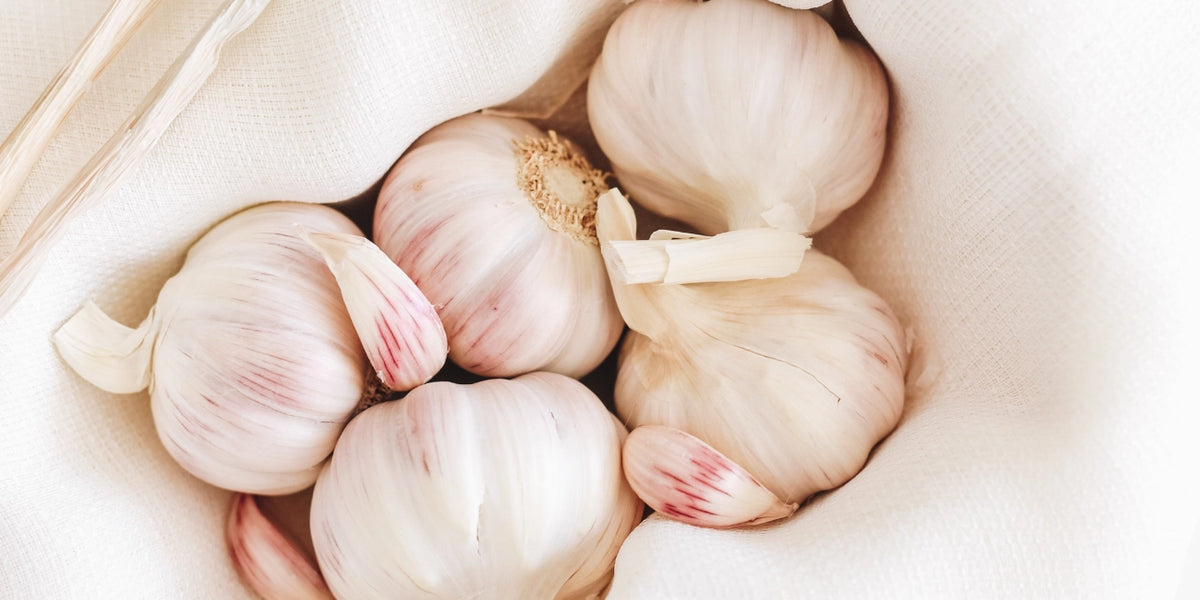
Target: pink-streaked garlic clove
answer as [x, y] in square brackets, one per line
[682, 477]
[266, 559]
[398, 326]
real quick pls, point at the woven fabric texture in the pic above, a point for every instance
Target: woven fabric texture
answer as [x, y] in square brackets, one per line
[1031, 224]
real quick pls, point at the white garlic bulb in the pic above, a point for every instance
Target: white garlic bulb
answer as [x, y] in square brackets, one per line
[502, 489]
[495, 222]
[794, 379]
[737, 114]
[251, 358]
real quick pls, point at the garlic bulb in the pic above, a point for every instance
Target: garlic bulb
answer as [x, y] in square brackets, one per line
[266, 559]
[502, 489]
[495, 222]
[251, 359]
[736, 114]
[793, 378]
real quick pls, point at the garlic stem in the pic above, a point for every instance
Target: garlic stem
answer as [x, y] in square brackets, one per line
[126, 148]
[731, 256]
[111, 356]
[266, 559]
[25, 145]
[615, 221]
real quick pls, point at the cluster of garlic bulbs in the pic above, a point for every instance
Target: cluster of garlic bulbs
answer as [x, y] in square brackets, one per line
[285, 322]
[754, 371]
[767, 379]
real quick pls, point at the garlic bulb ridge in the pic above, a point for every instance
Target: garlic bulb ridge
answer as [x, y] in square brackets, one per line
[503, 489]
[494, 221]
[736, 114]
[251, 359]
[794, 379]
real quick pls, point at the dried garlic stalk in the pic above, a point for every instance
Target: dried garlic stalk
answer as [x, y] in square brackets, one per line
[125, 149]
[25, 145]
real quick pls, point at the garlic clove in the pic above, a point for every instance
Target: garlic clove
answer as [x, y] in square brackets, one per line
[266, 559]
[399, 328]
[680, 476]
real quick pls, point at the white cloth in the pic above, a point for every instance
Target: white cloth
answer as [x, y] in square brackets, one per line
[1031, 223]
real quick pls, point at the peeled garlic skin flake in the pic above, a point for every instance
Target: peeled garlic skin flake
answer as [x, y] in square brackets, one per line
[737, 114]
[502, 489]
[795, 378]
[494, 220]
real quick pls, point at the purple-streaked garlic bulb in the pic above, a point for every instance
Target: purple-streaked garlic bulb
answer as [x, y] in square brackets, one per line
[494, 220]
[251, 358]
[502, 489]
[794, 379]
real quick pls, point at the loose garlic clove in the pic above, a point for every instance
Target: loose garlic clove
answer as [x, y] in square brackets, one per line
[684, 478]
[502, 489]
[738, 114]
[252, 362]
[794, 379]
[495, 222]
[266, 559]
[398, 327]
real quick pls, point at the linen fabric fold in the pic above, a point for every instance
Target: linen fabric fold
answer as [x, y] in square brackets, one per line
[1029, 224]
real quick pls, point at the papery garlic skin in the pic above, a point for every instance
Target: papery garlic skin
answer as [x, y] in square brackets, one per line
[737, 114]
[503, 489]
[252, 362]
[793, 378]
[494, 221]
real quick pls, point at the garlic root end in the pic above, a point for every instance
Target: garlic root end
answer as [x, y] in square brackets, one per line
[111, 356]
